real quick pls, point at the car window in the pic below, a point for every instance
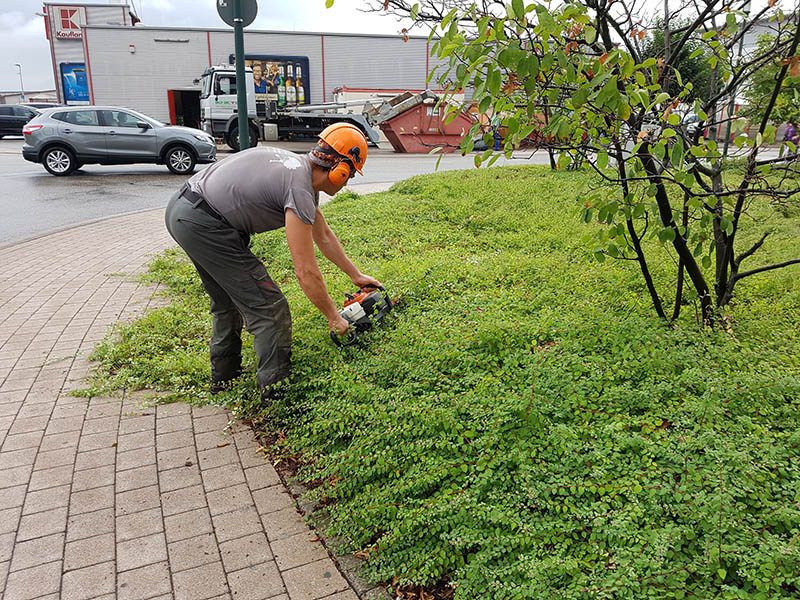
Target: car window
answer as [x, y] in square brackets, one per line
[23, 111]
[80, 117]
[153, 123]
[119, 118]
[6, 110]
[226, 84]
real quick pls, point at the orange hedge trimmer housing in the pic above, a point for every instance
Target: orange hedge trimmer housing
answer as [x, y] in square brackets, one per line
[362, 310]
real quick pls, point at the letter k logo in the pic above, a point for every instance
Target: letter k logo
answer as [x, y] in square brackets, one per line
[68, 18]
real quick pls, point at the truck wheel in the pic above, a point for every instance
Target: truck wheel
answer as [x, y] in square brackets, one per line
[58, 161]
[233, 138]
[180, 160]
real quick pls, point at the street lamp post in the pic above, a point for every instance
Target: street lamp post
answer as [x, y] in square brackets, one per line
[241, 90]
[21, 86]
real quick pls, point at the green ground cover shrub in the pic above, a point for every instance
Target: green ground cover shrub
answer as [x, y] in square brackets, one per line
[520, 425]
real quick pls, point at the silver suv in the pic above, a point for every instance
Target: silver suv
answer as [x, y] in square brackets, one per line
[64, 139]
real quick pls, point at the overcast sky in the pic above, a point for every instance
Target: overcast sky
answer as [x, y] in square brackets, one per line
[22, 37]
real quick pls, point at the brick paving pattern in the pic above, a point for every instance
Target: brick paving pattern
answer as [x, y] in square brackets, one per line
[110, 497]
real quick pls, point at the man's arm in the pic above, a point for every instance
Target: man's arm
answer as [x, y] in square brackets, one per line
[301, 245]
[329, 245]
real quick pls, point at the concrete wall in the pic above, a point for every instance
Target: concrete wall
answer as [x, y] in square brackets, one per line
[163, 59]
[375, 63]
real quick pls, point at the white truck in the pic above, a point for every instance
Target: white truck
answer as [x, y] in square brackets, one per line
[219, 117]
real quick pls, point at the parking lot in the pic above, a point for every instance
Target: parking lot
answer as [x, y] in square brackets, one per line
[33, 202]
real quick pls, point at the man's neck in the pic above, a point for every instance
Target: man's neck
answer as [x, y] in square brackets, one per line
[318, 176]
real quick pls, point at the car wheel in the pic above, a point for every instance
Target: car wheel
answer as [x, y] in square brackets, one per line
[180, 160]
[58, 161]
[233, 138]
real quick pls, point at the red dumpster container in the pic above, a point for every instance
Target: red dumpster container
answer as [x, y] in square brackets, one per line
[422, 128]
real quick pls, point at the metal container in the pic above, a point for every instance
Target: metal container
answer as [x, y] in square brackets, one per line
[419, 126]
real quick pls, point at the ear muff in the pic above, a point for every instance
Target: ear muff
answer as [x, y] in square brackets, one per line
[339, 173]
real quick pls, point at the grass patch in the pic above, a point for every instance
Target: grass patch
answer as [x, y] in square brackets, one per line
[521, 426]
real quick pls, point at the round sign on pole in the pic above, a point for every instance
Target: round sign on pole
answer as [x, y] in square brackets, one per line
[249, 11]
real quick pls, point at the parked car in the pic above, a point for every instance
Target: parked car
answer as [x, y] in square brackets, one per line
[13, 118]
[690, 123]
[64, 139]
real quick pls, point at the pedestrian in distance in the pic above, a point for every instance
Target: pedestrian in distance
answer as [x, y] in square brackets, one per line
[260, 189]
[790, 135]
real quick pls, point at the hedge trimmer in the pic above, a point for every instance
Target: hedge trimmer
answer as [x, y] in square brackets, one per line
[362, 310]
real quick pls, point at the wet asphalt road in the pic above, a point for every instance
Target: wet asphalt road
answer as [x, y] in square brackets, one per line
[33, 202]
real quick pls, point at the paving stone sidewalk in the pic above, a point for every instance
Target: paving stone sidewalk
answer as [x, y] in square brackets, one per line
[110, 498]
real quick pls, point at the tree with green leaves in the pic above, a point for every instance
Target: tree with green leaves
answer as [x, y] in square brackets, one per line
[695, 70]
[581, 69]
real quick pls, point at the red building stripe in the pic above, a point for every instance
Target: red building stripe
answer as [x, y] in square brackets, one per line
[344, 88]
[172, 113]
[208, 39]
[88, 64]
[56, 74]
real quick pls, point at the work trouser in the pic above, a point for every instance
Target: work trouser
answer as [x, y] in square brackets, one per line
[239, 286]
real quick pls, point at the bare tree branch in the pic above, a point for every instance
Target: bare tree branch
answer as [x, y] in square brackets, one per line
[739, 276]
[751, 251]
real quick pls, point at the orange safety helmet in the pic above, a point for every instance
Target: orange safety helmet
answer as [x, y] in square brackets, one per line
[349, 142]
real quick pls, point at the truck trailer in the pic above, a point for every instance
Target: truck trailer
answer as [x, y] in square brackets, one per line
[266, 119]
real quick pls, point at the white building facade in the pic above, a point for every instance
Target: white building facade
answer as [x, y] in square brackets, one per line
[100, 57]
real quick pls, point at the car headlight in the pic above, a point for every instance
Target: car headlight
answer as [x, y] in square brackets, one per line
[204, 138]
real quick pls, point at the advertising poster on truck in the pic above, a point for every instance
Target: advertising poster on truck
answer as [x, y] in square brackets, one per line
[284, 79]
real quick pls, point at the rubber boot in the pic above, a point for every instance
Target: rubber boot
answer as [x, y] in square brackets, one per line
[221, 385]
[271, 394]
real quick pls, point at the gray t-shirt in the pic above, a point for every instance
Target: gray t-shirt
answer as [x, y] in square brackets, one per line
[254, 188]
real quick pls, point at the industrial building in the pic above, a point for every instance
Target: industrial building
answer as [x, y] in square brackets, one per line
[102, 55]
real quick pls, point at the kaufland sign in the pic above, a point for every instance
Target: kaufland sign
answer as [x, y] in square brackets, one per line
[68, 21]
